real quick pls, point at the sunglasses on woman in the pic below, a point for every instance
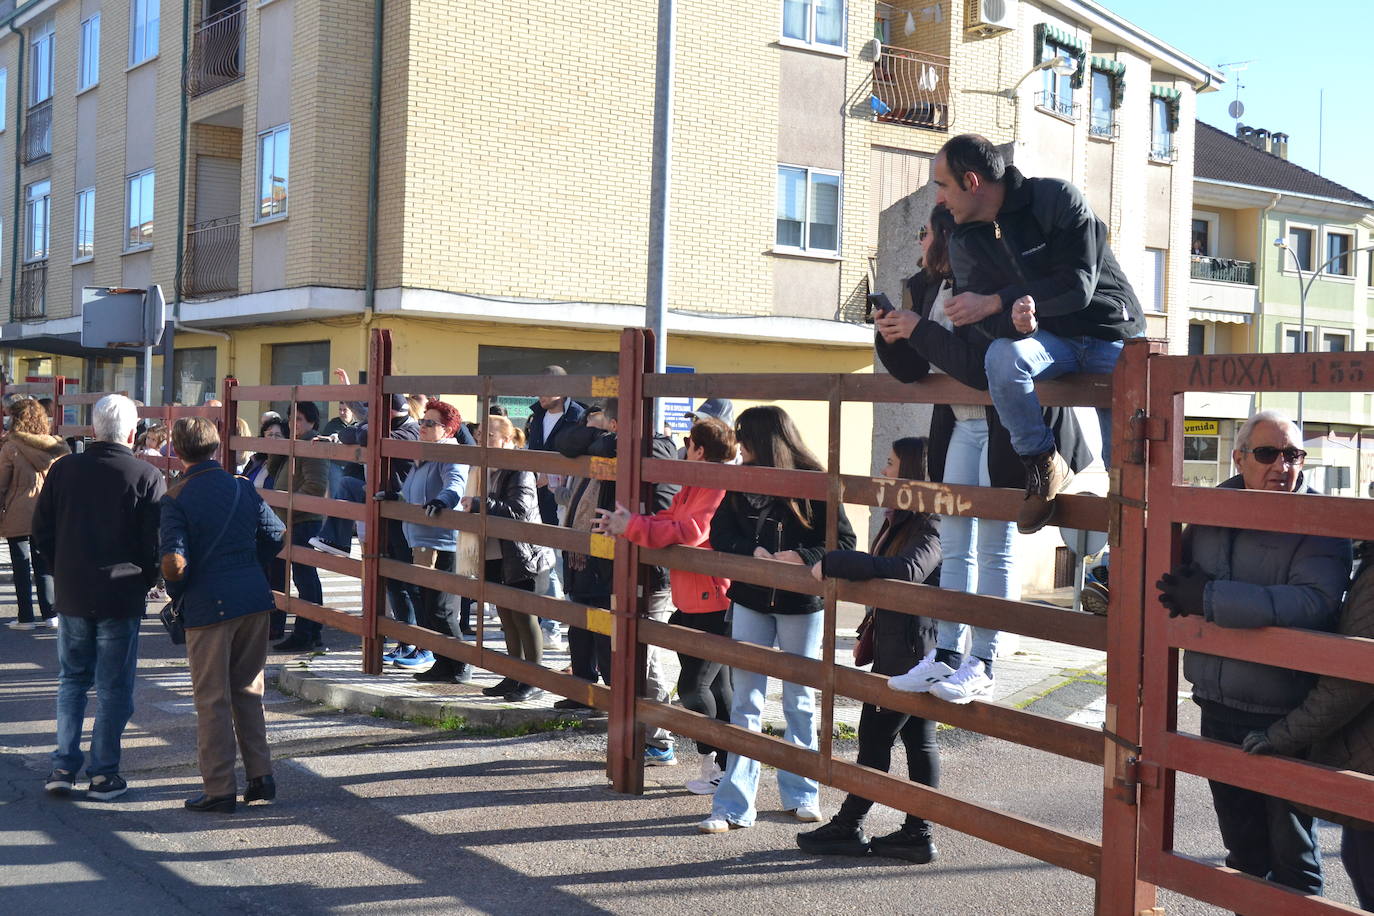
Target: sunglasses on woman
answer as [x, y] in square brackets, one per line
[428, 423]
[1268, 454]
[922, 233]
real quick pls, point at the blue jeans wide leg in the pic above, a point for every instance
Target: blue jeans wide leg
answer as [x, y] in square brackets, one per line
[977, 552]
[340, 530]
[76, 648]
[103, 654]
[21, 555]
[306, 579]
[735, 798]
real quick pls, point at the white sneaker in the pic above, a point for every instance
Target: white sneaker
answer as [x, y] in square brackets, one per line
[807, 814]
[324, 546]
[927, 673]
[709, 780]
[22, 625]
[52, 622]
[554, 642]
[970, 682]
[714, 824]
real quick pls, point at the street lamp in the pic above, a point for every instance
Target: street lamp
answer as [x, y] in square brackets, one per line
[1303, 287]
[1061, 65]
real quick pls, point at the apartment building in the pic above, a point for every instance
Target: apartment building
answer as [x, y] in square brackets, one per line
[511, 189]
[1244, 297]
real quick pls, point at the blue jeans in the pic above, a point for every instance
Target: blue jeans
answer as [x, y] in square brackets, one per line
[989, 571]
[103, 653]
[550, 584]
[1014, 365]
[339, 531]
[1264, 836]
[799, 634]
[22, 557]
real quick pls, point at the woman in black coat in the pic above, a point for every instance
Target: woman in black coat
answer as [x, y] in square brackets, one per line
[907, 548]
[968, 446]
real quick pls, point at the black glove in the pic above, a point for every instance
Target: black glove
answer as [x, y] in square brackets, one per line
[383, 496]
[1181, 591]
[434, 507]
[1257, 742]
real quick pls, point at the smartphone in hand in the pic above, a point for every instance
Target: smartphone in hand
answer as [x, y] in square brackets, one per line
[878, 305]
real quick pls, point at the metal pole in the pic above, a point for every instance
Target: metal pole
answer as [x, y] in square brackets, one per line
[147, 375]
[656, 296]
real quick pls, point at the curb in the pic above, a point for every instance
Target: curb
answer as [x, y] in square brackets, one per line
[307, 685]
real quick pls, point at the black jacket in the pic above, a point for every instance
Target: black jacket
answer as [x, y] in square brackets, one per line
[572, 418]
[1047, 243]
[907, 549]
[961, 354]
[403, 428]
[739, 527]
[511, 495]
[590, 581]
[96, 522]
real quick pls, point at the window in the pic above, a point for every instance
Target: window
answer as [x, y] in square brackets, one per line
[1300, 241]
[40, 64]
[90, 53]
[1152, 294]
[1161, 130]
[814, 22]
[1294, 341]
[1197, 340]
[1058, 90]
[1102, 122]
[138, 205]
[1368, 277]
[1338, 251]
[38, 210]
[1335, 342]
[274, 154]
[4, 97]
[1202, 237]
[808, 216]
[193, 370]
[143, 27]
[85, 223]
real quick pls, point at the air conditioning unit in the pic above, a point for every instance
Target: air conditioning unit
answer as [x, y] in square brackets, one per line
[989, 17]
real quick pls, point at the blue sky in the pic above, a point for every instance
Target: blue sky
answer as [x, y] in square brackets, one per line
[1297, 49]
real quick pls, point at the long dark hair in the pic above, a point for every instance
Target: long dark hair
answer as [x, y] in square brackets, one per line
[774, 442]
[911, 457]
[941, 227]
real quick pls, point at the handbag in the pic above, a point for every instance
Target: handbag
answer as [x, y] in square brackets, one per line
[172, 619]
[471, 558]
[863, 649]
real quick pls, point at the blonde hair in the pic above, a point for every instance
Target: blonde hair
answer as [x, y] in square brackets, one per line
[506, 429]
[416, 405]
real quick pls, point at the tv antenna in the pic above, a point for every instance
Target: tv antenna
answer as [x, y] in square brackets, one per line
[1237, 108]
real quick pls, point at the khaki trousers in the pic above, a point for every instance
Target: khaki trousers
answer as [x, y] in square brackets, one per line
[227, 661]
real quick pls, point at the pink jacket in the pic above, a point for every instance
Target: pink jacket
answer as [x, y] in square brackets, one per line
[687, 521]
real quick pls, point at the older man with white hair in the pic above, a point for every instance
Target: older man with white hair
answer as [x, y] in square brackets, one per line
[1245, 578]
[96, 523]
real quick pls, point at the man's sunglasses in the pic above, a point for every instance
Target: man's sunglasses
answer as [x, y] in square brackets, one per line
[1268, 454]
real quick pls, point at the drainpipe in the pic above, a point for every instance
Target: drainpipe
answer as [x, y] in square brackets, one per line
[374, 154]
[16, 232]
[169, 332]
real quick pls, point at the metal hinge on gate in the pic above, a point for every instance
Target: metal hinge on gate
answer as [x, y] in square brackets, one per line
[1144, 428]
[1142, 773]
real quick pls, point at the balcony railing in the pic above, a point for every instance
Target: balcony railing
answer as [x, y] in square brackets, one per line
[38, 132]
[1064, 108]
[216, 52]
[1224, 270]
[1103, 128]
[211, 262]
[912, 88]
[1163, 151]
[32, 300]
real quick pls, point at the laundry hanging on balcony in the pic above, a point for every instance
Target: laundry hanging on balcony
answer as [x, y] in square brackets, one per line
[929, 78]
[879, 107]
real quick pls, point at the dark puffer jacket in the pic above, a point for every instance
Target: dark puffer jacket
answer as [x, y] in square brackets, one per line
[1337, 719]
[511, 495]
[1263, 579]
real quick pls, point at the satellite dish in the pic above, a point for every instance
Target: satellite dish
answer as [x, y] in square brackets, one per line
[1236, 109]
[871, 51]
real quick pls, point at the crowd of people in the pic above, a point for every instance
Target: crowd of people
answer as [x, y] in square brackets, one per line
[1018, 283]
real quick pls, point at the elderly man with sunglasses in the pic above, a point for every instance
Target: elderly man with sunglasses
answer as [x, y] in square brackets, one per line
[1246, 578]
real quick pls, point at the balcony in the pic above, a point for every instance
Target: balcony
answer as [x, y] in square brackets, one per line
[1103, 127]
[216, 52]
[37, 139]
[1222, 270]
[31, 302]
[1049, 102]
[1163, 151]
[911, 88]
[211, 262]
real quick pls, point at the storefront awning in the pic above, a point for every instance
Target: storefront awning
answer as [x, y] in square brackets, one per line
[1214, 315]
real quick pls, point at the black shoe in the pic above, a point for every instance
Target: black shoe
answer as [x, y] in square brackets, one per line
[523, 693]
[917, 847]
[570, 704]
[501, 687]
[293, 643]
[437, 675]
[273, 635]
[260, 788]
[837, 838]
[467, 631]
[218, 804]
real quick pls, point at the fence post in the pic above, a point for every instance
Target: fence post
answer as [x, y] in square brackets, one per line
[374, 539]
[1119, 890]
[625, 745]
[229, 413]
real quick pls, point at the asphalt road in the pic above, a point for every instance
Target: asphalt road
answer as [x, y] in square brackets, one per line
[380, 816]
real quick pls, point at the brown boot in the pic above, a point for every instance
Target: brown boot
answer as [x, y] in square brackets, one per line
[1046, 477]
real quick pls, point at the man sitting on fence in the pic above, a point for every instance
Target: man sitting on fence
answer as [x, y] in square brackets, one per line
[1036, 237]
[1245, 578]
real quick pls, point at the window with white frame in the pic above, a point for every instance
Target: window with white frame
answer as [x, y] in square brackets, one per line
[814, 22]
[4, 97]
[37, 217]
[85, 224]
[1102, 120]
[90, 54]
[143, 27]
[1152, 294]
[1335, 341]
[138, 205]
[40, 63]
[1302, 242]
[808, 215]
[1161, 129]
[1295, 341]
[274, 166]
[1368, 277]
[1057, 89]
[1339, 250]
